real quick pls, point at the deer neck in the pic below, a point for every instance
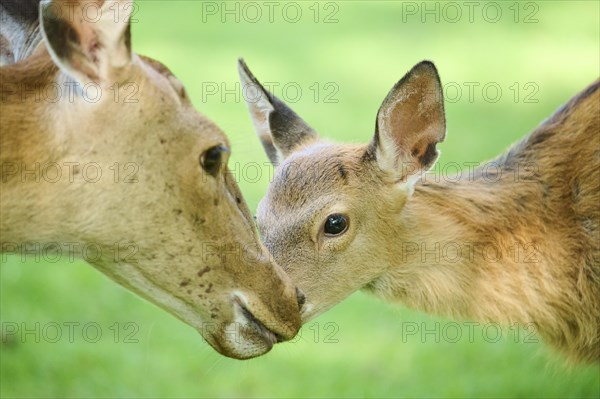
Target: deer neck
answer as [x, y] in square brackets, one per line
[34, 143]
[472, 249]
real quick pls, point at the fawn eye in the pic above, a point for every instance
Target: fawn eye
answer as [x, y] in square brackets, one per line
[211, 159]
[335, 224]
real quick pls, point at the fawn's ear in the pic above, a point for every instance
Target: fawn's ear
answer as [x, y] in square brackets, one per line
[410, 123]
[279, 129]
[89, 40]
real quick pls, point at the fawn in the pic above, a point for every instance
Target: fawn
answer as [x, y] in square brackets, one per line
[339, 218]
[104, 156]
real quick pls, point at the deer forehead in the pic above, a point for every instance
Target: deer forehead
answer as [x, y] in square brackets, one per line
[161, 113]
[317, 172]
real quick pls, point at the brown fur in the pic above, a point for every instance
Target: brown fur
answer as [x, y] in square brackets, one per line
[544, 199]
[551, 212]
[195, 250]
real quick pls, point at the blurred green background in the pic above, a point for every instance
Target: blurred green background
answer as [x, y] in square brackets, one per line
[344, 56]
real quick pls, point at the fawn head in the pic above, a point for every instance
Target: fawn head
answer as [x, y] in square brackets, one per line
[189, 242]
[331, 212]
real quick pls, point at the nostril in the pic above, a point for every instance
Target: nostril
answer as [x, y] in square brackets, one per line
[301, 298]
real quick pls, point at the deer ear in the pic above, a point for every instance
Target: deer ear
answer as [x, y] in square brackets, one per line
[89, 40]
[410, 123]
[279, 129]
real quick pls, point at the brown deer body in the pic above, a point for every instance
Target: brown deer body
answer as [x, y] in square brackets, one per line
[102, 151]
[514, 241]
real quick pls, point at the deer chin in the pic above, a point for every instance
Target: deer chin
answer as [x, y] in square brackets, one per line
[246, 337]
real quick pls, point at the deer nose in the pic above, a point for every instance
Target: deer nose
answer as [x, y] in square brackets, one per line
[301, 298]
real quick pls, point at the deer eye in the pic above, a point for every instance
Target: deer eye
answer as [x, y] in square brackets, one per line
[211, 159]
[335, 224]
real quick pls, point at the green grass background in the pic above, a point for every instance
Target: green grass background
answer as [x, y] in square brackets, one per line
[364, 53]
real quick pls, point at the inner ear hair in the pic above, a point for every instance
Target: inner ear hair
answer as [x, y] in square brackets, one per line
[88, 50]
[411, 122]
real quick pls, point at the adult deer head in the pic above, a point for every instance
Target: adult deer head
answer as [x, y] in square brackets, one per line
[102, 151]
